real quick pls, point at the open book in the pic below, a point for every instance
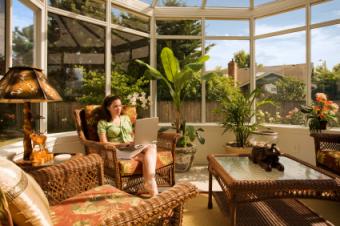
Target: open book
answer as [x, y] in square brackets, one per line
[130, 151]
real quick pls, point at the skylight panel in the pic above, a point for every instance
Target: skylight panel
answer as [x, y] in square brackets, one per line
[180, 3]
[261, 2]
[229, 3]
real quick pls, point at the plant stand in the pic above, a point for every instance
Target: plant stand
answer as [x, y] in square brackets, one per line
[184, 158]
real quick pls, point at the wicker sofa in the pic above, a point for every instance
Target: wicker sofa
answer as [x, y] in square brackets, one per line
[125, 174]
[327, 151]
[77, 196]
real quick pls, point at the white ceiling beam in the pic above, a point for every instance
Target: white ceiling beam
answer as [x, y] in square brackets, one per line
[154, 3]
[194, 12]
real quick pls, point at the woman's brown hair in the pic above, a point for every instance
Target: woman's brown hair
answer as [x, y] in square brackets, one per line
[106, 103]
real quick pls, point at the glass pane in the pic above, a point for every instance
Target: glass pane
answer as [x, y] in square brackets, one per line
[147, 1]
[179, 27]
[326, 65]
[328, 10]
[23, 28]
[261, 2]
[227, 27]
[281, 75]
[91, 8]
[191, 3]
[134, 21]
[221, 53]
[186, 51]
[2, 38]
[76, 65]
[229, 3]
[281, 21]
[127, 75]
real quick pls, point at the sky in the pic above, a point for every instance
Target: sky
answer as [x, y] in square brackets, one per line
[284, 49]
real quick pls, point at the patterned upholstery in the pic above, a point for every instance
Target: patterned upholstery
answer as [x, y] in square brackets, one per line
[90, 207]
[330, 159]
[129, 167]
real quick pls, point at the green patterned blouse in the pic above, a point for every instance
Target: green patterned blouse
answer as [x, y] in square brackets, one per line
[117, 133]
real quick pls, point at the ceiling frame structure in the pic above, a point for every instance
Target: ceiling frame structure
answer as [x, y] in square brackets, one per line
[202, 13]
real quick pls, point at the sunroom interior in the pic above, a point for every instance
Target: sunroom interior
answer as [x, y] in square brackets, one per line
[289, 49]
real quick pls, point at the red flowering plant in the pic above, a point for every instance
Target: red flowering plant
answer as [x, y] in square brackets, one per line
[320, 112]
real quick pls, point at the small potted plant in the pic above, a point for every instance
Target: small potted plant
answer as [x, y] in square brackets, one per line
[177, 79]
[320, 113]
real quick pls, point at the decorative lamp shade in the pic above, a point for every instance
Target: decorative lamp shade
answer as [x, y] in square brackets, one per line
[26, 84]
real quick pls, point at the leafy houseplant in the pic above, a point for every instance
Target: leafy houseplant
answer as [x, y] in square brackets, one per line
[238, 114]
[320, 112]
[176, 79]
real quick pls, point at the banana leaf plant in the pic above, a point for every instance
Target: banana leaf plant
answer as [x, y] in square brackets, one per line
[176, 78]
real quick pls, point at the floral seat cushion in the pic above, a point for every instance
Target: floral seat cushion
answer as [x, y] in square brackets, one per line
[129, 167]
[89, 208]
[330, 158]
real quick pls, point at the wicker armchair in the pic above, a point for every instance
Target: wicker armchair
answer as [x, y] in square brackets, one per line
[125, 174]
[327, 151]
[63, 184]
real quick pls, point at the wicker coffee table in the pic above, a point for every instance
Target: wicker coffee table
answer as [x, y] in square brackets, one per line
[244, 182]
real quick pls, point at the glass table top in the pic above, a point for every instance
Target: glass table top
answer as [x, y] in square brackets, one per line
[242, 168]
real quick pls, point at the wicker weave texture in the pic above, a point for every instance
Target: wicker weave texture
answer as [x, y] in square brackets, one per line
[67, 179]
[165, 176]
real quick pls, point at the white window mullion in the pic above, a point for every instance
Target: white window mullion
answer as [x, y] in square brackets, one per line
[153, 62]
[308, 54]
[203, 83]
[108, 55]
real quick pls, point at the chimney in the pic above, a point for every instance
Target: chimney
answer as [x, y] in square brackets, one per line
[232, 70]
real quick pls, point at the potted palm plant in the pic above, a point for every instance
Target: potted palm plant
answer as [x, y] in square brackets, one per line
[176, 79]
[238, 115]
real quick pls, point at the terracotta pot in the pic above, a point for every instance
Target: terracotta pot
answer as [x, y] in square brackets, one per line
[229, 149]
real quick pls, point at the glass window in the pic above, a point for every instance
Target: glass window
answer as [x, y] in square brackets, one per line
[280, 22]
[2, 38]
[127, 75]
[179, 27]
[11, 115]
[227, 27]
[23, 28]
[281, 76]
[91, 8]
[229, 3]
[328, 10]
[186, 51]
[76, 67]
[225, 60]
[147, 1]
[134, 21]
[326, 64]
[261, 2]
[192, 3]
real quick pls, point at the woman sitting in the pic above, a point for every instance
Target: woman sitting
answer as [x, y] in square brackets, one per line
[117, 129]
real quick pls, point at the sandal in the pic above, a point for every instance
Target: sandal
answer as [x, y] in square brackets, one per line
[151, 187]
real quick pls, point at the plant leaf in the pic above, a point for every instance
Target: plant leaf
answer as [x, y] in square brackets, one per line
[170, 63]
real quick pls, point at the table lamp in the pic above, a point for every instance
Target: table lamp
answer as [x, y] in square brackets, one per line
[26, 85]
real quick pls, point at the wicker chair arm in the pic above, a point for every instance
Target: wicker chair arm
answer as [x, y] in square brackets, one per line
[167, 205]
[67, 179]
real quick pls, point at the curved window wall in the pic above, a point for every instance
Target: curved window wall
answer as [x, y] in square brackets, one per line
[82, 57]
